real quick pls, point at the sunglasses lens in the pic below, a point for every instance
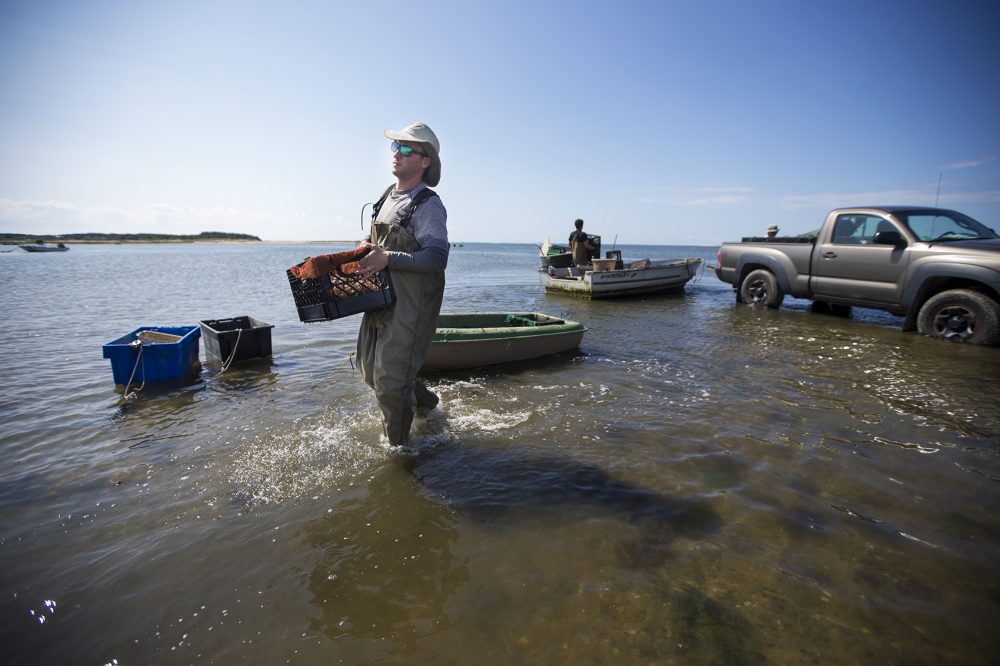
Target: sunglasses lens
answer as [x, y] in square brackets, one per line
[405, 151]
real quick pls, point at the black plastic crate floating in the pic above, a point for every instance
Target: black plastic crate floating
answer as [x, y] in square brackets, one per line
[339, 294]
[237, 338]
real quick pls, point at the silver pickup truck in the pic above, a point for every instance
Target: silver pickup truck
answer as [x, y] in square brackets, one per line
[938, 268]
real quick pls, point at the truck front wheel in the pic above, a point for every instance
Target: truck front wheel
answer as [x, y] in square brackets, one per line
[960, 315]
[761, 287]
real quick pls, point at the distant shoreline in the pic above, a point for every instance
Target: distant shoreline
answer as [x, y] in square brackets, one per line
[173, 241]
[140, 237]
[191, 241]
[310, 242]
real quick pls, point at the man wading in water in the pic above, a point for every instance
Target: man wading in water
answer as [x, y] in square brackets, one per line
[409, 234]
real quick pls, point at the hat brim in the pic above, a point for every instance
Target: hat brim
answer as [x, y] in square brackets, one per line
[401, 136]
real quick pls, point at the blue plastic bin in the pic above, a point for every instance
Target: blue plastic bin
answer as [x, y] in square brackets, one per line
[160, 360]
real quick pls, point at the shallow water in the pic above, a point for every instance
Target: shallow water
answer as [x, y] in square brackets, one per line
[700, 483]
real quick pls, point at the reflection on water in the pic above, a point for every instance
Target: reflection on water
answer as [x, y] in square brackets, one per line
[699, 483]
[248, 377]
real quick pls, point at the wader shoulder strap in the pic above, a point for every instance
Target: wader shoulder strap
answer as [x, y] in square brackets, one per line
[377, 206]
[405, 215]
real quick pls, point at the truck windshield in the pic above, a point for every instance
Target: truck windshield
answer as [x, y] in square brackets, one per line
[939, 225]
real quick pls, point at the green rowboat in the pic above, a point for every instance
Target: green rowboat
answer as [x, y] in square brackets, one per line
[477, 339]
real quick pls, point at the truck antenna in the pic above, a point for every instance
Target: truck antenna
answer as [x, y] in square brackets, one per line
[938, 195]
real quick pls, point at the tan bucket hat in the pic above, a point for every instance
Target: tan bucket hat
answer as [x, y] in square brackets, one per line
[421, 133]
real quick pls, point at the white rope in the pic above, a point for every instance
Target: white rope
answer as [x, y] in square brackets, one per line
[348, 358]
[142, 361]
[700, 273]
[225, 366]
[128, 396]
[232, 355]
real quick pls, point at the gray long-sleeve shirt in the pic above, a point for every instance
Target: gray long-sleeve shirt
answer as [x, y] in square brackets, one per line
[429, 225]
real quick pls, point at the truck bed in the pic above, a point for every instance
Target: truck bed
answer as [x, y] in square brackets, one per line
[793, 259]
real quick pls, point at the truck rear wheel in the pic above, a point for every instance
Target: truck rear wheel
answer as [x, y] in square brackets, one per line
[761, 287]
[960, 315]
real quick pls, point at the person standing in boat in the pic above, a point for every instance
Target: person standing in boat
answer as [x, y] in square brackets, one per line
[580, 245]
[772, 231]
[409, 235]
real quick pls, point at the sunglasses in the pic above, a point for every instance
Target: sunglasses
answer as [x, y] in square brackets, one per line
[405, 151]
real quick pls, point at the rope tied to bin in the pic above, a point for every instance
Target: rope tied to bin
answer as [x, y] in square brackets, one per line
[146, 337]
[139, 360]
[232, 355]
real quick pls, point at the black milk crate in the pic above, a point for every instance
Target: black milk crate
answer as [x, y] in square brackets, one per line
[335, 295]
[239, 337]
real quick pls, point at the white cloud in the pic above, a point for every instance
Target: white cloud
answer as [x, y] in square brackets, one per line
[871, 198]
[699, 196]
[904, 197]
[968, 164]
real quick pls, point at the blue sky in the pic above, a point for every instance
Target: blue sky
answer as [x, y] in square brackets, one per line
[656, 122]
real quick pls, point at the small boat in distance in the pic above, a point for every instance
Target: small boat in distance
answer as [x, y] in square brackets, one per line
[40, 246]
[604, 280]
[477, 339]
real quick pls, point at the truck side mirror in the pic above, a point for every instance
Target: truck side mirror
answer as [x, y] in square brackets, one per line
[888, 238]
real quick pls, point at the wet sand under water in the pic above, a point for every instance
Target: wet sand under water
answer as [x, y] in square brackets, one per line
[699, 483]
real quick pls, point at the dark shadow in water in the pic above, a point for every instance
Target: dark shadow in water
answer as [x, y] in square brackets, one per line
[498, 485]
[385, 570]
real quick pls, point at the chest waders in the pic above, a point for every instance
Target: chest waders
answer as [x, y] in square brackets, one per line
[393, 341]
[581, 255]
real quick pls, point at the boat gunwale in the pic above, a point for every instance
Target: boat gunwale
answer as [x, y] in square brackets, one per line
[654, 265]
[458, 334]
[483, 335]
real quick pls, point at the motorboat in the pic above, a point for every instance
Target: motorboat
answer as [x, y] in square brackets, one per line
[609, 278]
[40, 246]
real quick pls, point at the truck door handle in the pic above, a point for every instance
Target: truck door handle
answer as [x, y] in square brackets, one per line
[830, 255]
